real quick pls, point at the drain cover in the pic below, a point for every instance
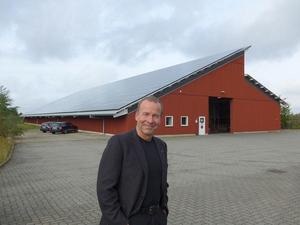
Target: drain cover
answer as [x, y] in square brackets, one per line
[276, 171]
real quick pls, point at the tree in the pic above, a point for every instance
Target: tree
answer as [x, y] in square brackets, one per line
[295, 121]
[286, 116]
[9, 118]
[5, 101]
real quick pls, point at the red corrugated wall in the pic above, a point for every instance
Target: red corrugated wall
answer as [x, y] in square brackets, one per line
[251, 109]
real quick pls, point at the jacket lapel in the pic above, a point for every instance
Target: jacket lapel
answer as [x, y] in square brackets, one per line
[163, 160]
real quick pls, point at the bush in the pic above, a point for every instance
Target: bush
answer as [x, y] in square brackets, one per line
[295, 121]
[10, 124]
[288, 119]
[10, 120]
[285, 115]
[5, 148]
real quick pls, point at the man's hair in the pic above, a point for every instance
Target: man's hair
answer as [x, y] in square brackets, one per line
[150, 98]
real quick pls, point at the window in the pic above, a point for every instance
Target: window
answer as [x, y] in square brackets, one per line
[169, 121]
[184, 121]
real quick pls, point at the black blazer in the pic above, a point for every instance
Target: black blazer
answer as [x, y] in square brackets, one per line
[122, 178]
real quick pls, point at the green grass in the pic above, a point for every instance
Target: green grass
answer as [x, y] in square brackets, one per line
[5, 148]
[29, 126]
[6, 143]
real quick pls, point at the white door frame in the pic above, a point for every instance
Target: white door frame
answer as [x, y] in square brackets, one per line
[201, 125]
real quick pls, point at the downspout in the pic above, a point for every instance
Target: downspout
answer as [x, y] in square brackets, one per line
[103, 126]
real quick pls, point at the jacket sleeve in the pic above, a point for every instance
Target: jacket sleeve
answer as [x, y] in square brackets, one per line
[107, 183]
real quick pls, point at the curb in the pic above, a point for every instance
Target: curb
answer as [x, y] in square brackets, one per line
[12, 148]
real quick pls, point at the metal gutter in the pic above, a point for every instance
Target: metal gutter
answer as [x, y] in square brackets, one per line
[87, 113]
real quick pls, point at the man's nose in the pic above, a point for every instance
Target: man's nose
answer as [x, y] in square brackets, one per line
[150, 119]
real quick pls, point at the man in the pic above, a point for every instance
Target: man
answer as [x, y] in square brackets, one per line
[132, 178]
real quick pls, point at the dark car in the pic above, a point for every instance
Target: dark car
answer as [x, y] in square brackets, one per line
[63, 127]
[46, 126]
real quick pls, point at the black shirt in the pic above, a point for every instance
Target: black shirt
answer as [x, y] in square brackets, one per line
[153, 193]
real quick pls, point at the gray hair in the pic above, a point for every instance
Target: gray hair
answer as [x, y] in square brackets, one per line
[150, 98]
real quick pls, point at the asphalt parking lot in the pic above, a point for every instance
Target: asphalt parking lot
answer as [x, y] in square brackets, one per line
[214, 179]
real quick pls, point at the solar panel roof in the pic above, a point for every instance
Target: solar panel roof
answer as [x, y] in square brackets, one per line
[111, 97]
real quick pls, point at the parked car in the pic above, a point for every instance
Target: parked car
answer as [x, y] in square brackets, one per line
[46, 126]
[63, 127]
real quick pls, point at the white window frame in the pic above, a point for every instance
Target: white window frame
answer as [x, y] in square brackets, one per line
[187, 121]
[172, 121]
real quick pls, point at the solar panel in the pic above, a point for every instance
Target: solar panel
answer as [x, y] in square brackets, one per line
[115, 95]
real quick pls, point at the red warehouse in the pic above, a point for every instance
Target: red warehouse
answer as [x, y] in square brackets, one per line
[207, 95]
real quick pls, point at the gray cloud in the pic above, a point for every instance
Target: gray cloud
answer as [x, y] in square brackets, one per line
[189, 28]
[276, 32]
[273, 31]
[58, 39]
[7, 9]
[122, 31]
[129, 30]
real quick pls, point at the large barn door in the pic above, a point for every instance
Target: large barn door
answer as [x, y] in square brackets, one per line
[219, 115]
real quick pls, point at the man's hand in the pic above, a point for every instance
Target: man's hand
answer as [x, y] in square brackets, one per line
[165, 211]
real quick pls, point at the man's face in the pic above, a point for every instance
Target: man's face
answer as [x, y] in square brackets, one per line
[148, 118]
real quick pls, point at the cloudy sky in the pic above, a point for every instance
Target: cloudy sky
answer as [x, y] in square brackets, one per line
[50, 48]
